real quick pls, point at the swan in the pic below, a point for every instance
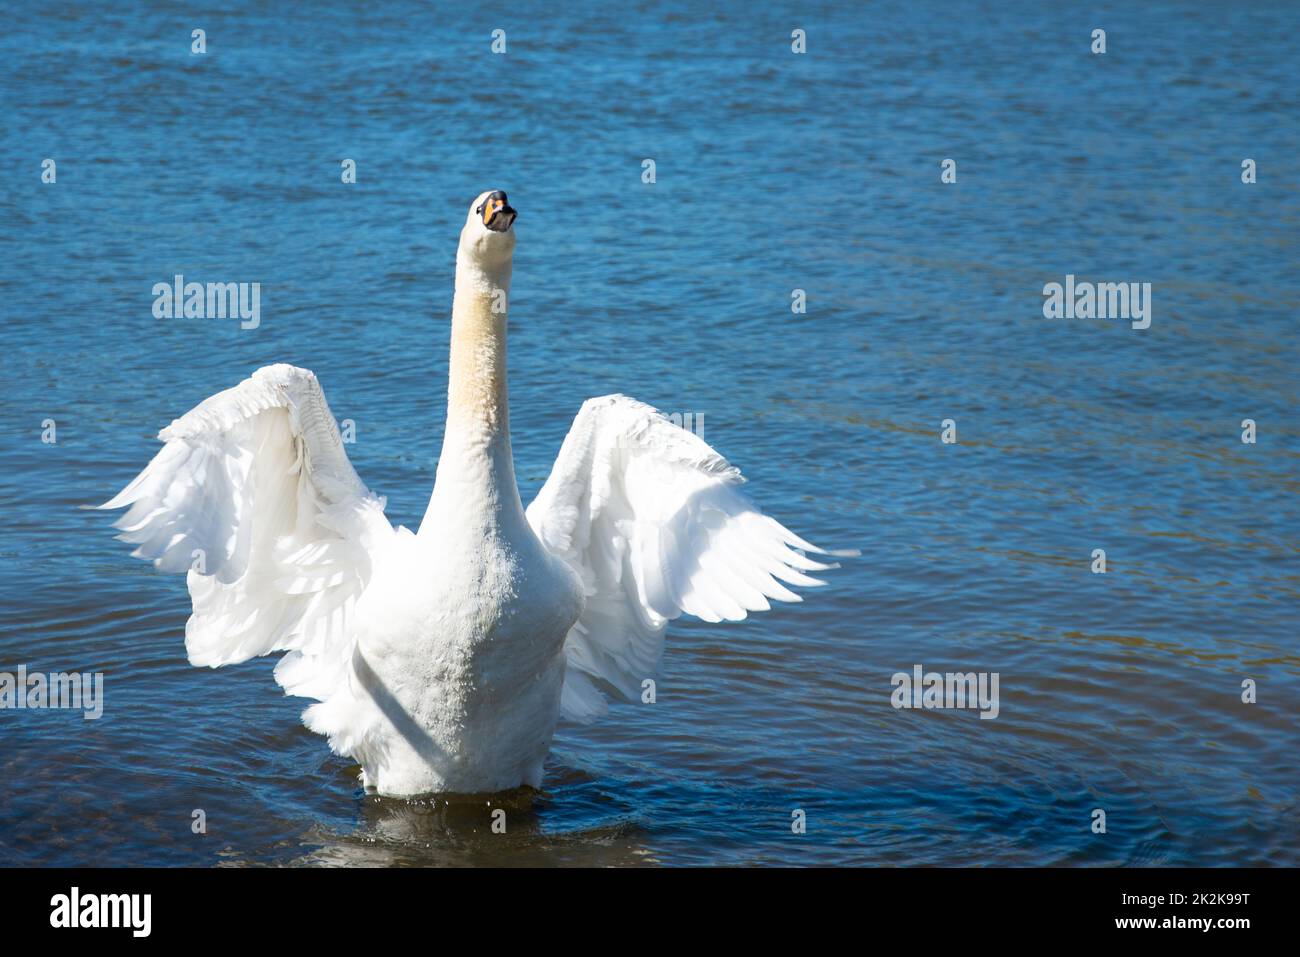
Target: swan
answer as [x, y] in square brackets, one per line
[441, 661]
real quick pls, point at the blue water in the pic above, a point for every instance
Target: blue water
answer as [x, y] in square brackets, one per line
[775, 171]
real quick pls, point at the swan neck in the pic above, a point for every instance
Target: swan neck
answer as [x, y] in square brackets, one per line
[475, 485]
[477, 397]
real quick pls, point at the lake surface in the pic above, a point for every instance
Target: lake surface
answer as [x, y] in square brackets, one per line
[775, 171]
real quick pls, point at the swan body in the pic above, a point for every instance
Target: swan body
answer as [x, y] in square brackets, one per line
[442, 660]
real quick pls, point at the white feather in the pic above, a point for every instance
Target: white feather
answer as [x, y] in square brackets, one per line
[653, 521]
[253, 495]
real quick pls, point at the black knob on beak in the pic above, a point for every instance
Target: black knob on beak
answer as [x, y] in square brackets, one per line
[498, 215]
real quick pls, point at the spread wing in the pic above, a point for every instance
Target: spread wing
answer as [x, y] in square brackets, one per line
[654, 522]
[253, 495]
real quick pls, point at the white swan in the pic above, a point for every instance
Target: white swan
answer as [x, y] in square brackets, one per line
[442, 661]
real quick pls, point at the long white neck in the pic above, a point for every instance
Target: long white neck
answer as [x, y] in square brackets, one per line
[476, 473]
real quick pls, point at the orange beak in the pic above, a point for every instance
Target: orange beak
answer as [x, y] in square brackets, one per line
[497, 213]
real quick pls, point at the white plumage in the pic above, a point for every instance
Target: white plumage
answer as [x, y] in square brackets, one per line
[442, 660]
[653, 521]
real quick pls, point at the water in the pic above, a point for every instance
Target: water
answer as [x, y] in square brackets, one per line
[774, 171]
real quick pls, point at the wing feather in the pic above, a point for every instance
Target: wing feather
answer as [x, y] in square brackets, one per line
[253, 495]
[653, 521]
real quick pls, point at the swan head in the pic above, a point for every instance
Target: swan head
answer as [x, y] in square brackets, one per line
[489, 236]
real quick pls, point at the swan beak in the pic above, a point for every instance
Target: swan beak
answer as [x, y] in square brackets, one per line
[498, 214]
